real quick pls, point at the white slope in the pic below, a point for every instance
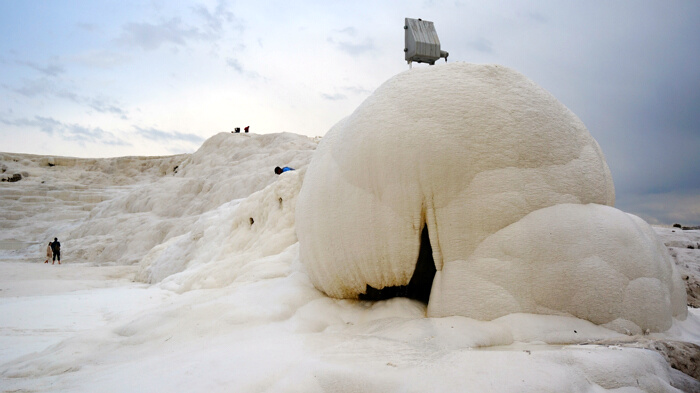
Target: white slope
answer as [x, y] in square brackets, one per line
[115, 211]
[57, 193]
[495, 168]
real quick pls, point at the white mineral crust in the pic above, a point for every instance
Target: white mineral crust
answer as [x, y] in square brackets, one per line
[484, 158]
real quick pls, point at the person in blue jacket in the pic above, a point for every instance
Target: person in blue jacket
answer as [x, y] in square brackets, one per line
[279, 170]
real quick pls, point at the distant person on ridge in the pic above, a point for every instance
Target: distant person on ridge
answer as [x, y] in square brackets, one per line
[246, 129]
[49, 253]
[56, 248]
[279, 170]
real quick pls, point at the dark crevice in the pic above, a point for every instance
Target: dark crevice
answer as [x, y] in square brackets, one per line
[421, 281]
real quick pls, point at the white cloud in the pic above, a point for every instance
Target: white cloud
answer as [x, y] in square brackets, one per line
[148, 36]
[104, 59]
[354, 48]
[53, 68]
[334, 97]
[158, 135]
[69, 132]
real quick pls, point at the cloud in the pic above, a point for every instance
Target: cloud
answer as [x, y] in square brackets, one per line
[356, 90]
[163, 136]
[151, 36]
[89, 27]
[51, 69]
[44, 124]
[650, 135]
[85, 134]
[216, 19]
[104, 59]
[238, 67]
[32, 88]
[69, 132]
[104, 107]
[351, 31]
[148, 36]
[334, 97]
[78, 133]
[46, 87]
[354, 48]
[348, 42]
[235, 64]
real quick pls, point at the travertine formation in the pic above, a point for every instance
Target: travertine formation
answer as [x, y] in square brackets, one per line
[514, 192]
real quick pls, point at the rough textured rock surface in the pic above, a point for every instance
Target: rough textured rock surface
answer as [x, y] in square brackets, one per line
[682, 356]
[467, 151]
[684, 247]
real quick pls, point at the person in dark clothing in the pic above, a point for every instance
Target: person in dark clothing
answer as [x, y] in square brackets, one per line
[56, 248]
[279, 170]
[246, 129]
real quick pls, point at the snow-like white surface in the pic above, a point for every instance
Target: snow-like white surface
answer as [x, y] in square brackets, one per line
[621, 275]
[279, 334]
[167, 286]
[471, 151]
[145, 201]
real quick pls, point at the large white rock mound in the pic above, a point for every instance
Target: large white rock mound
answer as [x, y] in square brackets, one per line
[591, 261]
[463, 151]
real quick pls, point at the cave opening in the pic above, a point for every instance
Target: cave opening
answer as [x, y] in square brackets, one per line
[421, 281]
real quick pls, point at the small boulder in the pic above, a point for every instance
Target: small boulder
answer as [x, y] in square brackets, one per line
[14, 178]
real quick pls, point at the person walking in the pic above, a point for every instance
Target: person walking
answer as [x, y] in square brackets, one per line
[56, 248]
[49, 253]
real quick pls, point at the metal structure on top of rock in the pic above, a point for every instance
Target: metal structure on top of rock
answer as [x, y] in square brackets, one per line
[422, 44]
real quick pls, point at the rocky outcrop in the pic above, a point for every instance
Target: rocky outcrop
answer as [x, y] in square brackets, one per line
[684, 248]
[14, 178]
[512, 192]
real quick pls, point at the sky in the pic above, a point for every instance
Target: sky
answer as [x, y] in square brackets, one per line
[117, 78]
